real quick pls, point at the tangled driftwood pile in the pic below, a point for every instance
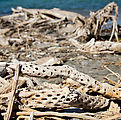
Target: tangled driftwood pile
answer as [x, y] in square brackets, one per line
[77, 90]
[32, 36]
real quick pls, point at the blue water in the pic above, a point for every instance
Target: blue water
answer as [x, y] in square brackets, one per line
[80, 6]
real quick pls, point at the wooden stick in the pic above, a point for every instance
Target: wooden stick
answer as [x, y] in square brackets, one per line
[12, 97]
[12, 16]
[74, 115]
[111, 81]
[116, 74]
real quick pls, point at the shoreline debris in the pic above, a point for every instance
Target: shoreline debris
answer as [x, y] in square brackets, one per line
[37, 77]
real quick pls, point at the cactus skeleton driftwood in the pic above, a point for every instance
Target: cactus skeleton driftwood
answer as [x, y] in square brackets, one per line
[44, 82]
[76, 93]
[65, 70]
[62, 98]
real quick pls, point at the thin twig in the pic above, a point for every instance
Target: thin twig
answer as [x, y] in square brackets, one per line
[116, 74]
[12, 97]
[110, 81]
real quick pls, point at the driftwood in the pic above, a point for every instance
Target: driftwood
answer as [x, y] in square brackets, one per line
[57, 19]
[69, 94]
[98, 46]
[62, 98]
[74, 115]
[35, 35]
[12, 97]
[99, 18]
[84, 80]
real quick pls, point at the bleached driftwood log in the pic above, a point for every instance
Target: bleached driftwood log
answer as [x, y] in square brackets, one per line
[98, 46]
[98, 19]
[52, 13]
